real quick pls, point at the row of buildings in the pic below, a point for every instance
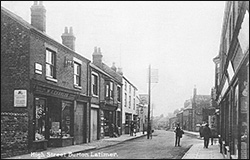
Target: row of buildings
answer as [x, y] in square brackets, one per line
[229, 107]
[52, 96]
[195, 112]
[230, 91]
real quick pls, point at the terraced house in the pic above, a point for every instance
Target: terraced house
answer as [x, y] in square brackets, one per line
[106, 102]
[45, 93]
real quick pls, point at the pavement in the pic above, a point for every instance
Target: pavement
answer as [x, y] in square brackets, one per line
[198, 152]
[65, 151]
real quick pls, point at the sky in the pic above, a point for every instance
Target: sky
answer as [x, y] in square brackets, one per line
[177, 38]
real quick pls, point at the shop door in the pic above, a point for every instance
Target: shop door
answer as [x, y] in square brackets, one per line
[93, 124]
[79, 127]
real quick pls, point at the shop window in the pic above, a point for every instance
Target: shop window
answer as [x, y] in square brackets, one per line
[40, 119]
[61, 120]
[66, 119]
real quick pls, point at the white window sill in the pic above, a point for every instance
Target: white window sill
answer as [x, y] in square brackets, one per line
[93, 95]
[76, 86]
[51, 79]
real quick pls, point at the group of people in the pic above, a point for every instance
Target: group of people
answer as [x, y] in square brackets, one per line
[206, 133]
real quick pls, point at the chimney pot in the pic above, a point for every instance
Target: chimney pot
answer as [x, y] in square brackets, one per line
[71, 30]
[66, 30]
[99, 51]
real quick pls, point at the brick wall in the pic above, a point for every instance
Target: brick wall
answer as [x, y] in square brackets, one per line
[14, 58]
[14, 134]
[64, 75]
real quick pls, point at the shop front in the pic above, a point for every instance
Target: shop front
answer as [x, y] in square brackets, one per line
[108, 117]
[59, 117]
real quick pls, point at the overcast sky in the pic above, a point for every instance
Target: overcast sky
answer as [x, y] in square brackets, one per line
[180, 39]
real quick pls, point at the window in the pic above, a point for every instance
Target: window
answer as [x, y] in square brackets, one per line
[50, 64]
[125, 100]
[111, 89]
[94, 84]
[107, 90]
[129, 102]
[118, 93]
[129, 88]
[134, 103]
[40, 119]
[125, 86]
[134, 92]
[77, 74]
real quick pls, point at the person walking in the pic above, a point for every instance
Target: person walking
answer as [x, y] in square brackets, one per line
[206, 134]
[131, 128]
[178, 135]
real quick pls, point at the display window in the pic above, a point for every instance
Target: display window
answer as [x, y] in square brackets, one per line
[40, 119]
[61, 120]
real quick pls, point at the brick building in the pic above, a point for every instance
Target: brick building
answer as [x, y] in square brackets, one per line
[232, 81]
[106, 102]
[45, 95]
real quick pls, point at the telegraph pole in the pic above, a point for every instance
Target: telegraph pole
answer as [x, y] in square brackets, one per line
[149, 86]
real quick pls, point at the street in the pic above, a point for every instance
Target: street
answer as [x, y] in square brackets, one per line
[160, 146]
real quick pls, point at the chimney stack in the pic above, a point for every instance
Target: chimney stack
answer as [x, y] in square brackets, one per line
[120, 71]
[68, 38]
[113, 67]
[38, 16]
[97, 57]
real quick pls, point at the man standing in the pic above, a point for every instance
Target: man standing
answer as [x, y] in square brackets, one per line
[206, 134]
[178, 135]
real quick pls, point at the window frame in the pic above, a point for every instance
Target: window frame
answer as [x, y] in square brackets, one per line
[94, 75]
[119, 93]
[50, 65]
[77, 76]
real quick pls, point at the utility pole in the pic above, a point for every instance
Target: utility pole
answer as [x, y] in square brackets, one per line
[149, 86]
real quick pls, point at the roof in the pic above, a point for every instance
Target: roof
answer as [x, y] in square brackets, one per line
[106, 70]
[27, 25]
[129, 82]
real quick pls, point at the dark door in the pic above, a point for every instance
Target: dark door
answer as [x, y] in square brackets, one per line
[80, 124]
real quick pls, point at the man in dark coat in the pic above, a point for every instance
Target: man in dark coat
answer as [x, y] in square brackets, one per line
[206, 134]
[178, 134]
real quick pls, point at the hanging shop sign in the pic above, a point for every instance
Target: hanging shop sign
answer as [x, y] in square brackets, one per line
[20, 98]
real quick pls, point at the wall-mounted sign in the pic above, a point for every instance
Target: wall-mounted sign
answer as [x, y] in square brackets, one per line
[38, 68]
[20, 98]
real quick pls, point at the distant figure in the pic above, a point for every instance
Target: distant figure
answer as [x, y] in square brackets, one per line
[111, 130]
[134, 129]
[206, 134]
[131, 128]
[178, 135]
